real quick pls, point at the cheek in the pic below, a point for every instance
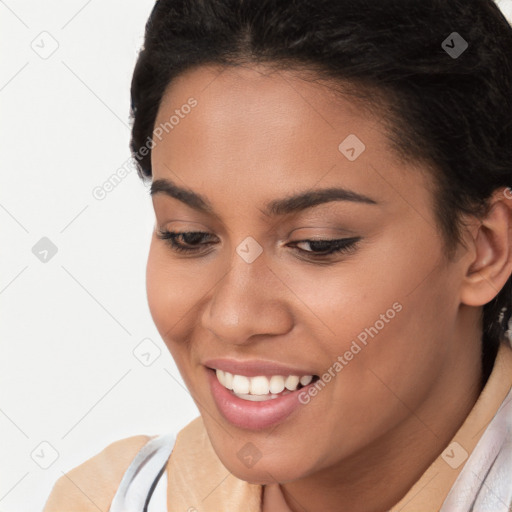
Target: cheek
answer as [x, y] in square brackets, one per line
[401, 353]
[391, 314]
[169, 296]
[157, 290]
[166, 289]
[176, 291]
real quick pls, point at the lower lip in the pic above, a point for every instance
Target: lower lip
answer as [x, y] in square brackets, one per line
[253, 415]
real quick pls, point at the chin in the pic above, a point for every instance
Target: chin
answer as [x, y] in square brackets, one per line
[267, 470]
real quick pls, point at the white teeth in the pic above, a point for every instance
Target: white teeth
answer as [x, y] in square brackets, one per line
[241, 384]
[276, 384]
[256, 398]
[306, 379]
[228, 380]
[258, 388]
[291, 382]
[221, 377]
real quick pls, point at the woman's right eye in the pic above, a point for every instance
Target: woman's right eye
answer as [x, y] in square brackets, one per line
[189, 237]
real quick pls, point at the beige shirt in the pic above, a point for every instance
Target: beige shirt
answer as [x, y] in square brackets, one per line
[197, 480]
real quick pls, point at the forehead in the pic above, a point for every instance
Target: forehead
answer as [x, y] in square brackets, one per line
[263, 134]
[242, 101]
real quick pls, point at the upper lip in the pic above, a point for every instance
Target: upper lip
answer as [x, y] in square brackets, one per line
[255, 367]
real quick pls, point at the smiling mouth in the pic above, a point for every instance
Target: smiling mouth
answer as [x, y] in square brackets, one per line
[261, 388]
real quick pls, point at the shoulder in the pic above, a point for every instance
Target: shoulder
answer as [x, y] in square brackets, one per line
[194, 465]
[192, 444]
[194, 433]
[92, 485]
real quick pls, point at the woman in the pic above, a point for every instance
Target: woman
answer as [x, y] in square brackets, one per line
[331, 261]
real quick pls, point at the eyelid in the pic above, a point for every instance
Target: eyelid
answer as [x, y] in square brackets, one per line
[336, 246]
[327, 231]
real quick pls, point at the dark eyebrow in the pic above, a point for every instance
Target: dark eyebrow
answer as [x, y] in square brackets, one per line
[284, 206]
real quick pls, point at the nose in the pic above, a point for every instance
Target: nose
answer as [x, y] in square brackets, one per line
[250, 300]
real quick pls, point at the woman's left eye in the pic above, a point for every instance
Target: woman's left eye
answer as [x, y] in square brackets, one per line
[322, 248]
[191, 243]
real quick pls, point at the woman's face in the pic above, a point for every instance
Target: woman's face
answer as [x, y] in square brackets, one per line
[376, 321]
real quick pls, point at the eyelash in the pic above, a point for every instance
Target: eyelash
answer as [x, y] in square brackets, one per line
[342, 245]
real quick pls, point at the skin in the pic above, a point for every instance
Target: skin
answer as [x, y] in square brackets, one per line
[255, 136]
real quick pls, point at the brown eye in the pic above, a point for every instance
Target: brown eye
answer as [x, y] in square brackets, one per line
[322, 248]
[180, 241]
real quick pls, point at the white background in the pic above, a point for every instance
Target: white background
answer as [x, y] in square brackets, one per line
[69, 326]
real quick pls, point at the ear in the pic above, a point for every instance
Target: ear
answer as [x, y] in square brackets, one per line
[490, 246]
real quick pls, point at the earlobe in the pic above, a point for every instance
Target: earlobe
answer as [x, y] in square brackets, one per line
[492, 262]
